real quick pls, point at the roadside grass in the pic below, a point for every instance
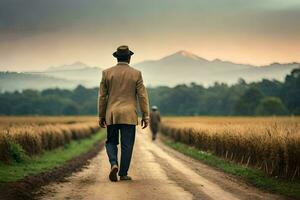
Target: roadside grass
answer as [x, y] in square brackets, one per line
[48, 159]
[252, 176]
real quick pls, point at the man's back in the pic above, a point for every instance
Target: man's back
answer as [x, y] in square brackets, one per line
[121, 86]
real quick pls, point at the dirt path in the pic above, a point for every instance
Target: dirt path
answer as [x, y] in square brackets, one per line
[159, 173]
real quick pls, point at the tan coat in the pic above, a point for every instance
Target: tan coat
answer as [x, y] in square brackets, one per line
[120, 89]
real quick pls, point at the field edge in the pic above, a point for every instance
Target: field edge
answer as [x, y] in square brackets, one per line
[249, 175]
[27, 187]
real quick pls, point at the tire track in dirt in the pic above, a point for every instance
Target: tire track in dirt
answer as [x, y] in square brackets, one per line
[227, 182]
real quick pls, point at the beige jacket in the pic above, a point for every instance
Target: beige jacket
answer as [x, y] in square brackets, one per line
[120, 89]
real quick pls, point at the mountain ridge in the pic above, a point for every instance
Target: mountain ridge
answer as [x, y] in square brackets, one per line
[193, 68]
[69, 67]
[184, 52]
[16, 81]
[177, 68]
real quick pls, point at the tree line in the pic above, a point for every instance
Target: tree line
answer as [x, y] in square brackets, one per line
[266, 97]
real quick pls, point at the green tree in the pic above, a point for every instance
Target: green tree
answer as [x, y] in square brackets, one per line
[241, 98]
[248, 102]
[291, 92]
[70, 110]
[271, 106]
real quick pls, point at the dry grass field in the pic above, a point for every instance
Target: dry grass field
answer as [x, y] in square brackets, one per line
[271, 144]
[32, 135]
[42, 120]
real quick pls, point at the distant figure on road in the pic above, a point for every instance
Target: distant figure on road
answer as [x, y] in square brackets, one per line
[154, 121]
[120, 89]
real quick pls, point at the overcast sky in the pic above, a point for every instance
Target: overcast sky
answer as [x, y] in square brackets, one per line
[36, 34]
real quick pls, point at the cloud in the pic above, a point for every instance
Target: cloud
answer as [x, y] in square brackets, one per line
[75, 24]
[51, 15]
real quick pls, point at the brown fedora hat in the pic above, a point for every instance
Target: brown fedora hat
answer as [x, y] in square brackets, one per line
[122, 51]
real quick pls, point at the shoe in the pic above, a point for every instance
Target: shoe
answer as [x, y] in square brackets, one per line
[125, 178]
[113, 173]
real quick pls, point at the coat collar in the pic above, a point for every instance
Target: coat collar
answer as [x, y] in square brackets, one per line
[123, 63]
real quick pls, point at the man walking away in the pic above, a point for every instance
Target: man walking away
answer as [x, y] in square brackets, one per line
[120, 89]
[154, 121]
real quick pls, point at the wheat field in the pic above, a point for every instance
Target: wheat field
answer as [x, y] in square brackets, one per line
[271, 144]
[36, 134]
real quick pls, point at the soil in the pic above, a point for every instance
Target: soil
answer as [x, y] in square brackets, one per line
[29, 187]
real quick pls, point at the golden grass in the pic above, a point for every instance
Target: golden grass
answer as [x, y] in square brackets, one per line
[271, 144]
[35, 134]
[41, 120]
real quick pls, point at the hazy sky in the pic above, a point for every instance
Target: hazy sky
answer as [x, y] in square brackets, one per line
[35, 34]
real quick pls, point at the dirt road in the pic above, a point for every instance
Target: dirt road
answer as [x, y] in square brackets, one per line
[159, 173]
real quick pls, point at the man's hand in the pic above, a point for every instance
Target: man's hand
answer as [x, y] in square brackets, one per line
[144, 123]
[102, 123]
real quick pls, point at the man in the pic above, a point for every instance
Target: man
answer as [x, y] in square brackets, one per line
[154, 121]
[120, 89]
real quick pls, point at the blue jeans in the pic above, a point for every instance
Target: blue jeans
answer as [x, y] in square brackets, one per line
[127, 141]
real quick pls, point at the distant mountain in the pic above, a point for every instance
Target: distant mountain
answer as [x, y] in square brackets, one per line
[64, 76]
[186, 67]
[11, 81]
[78, 71]
[75, 66]
[180, 67]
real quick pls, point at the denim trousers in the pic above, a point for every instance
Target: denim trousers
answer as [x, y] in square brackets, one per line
[127, 133]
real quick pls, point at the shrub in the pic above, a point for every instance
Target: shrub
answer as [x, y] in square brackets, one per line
[16, 152]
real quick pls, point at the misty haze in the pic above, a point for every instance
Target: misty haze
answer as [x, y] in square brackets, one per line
[149, 99]
[165, 71]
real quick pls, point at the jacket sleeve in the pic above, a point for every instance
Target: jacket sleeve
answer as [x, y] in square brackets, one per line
[102, 97]
[142, 97]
